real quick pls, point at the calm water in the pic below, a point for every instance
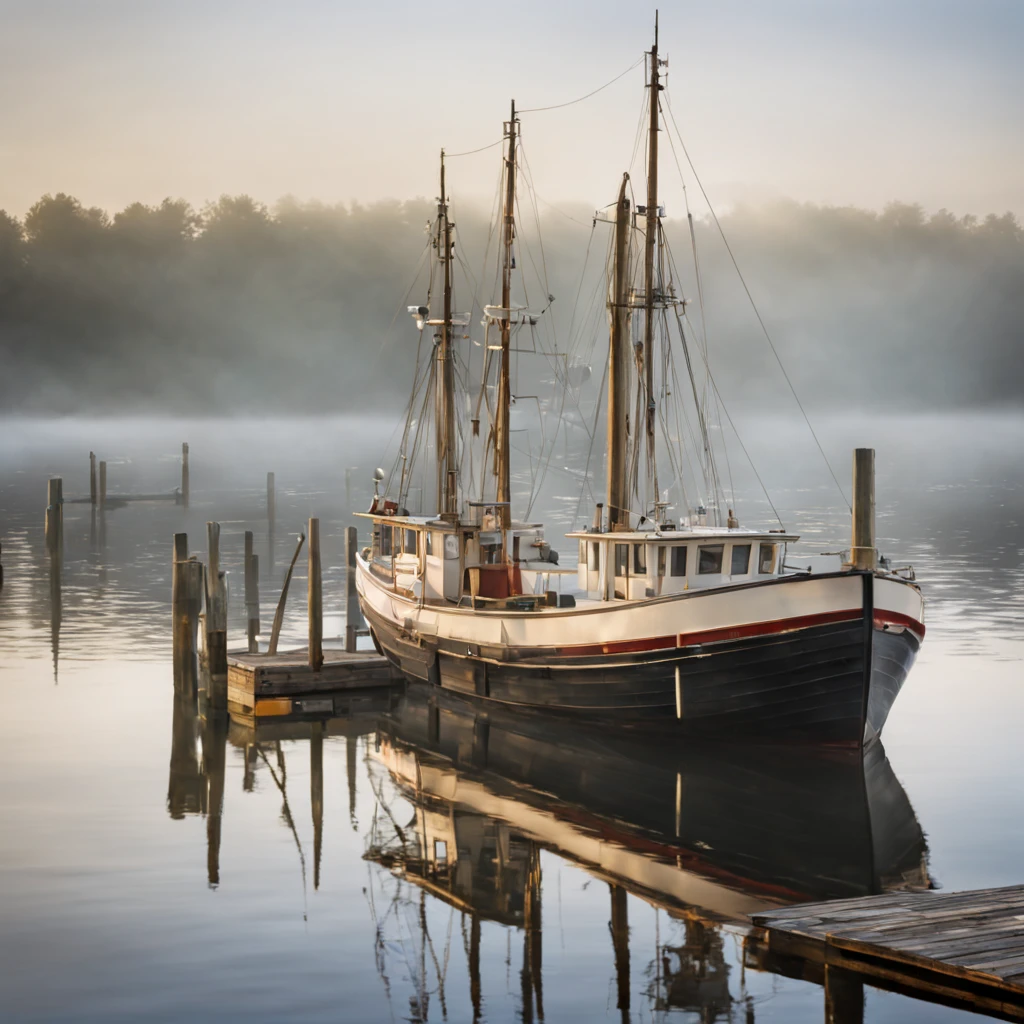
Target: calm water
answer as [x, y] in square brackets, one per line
[157, 863]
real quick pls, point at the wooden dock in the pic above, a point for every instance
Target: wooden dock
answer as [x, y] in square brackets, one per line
[265, 685]
[966, 948]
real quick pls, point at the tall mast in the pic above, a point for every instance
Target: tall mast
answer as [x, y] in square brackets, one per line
[502, 471]
[619, 356]
[447, 466]
[649, 247]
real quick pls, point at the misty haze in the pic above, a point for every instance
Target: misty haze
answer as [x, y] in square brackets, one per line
[550, 562]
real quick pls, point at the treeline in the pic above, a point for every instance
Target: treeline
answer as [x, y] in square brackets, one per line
[238, 307]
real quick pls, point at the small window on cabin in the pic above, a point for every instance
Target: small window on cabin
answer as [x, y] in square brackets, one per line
[410, 542]
[621, 559]
[451, 545]
[740, 559]
[385, 541]
[430, 543]
[640, 558]
[440, 851]
[678, 560]
[661, 560]
[595, 555]
[766, 558]
[583, 553]
[709, 559]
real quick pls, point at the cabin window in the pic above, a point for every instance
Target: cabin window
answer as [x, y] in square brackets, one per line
[640, 559]
[766, 558]
[440, 851]
[385, 541]
[709, 558]
[621, 559]
[740, 559]
[410, 542]
[595, 555]
[661, 560]
[451, 546]
[583, 553]
[679, 561]
[430, 543]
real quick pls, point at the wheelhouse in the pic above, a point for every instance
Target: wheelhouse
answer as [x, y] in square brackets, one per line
[634, 566]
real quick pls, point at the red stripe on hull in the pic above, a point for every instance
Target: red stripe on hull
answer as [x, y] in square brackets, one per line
[884, 618]
[657, 643]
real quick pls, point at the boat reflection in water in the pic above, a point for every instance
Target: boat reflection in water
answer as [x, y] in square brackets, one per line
[710, 834]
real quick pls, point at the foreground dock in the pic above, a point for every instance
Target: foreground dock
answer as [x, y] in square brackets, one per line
[961, 947]
[266, 685]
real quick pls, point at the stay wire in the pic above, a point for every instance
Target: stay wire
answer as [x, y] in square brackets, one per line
[580, 99]
[757, 312]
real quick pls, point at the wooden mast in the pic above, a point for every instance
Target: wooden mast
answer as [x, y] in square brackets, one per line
[619, 356]
[649, 246]
[502, 469]
[447, 489]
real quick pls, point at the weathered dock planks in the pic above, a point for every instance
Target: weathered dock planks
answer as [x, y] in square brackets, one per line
[967, 946]
[262, 685]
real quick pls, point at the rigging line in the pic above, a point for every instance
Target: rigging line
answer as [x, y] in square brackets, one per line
[757, 312]
[580, 99]
[470, 152]
[590, 450]
[740, 440]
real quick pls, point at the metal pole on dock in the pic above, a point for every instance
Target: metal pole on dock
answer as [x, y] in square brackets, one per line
[862, 550]
[92, 478]
[103, 484]
[252, 593]
[353, 616]
[184, 474]
[315, 599]
[271, 499]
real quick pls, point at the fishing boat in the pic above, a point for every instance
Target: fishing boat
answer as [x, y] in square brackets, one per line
[679, 619]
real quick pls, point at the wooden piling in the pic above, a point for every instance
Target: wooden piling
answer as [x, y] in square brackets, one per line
[252, 593]
[216, 608]
[844, 996]
[353, 616]
[54, 512]
[863, 554]
[186, 600]
[315, 599]
[271, 499]
[275, 632]
[184, 474]
[103, 484]
[92, 478]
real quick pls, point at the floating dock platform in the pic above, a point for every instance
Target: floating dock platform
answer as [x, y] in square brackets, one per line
[276, 685]
[965, 948]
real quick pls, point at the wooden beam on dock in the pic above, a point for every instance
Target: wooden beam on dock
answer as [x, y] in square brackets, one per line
[966, 947]
[279, 685]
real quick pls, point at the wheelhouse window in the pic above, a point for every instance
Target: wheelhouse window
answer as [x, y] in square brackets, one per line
[661, 560]
[709, 559]
[740, 559]
[430, 543]
[385, 540]
[766, 558]
[583, 553]
[640, 559]
[679, 561]
[410, 542]
[595, 555]
[621, 559]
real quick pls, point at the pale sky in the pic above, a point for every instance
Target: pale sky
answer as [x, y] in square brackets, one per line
[823, 100]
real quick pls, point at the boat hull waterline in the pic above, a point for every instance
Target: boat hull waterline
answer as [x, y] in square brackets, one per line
[808, 658]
